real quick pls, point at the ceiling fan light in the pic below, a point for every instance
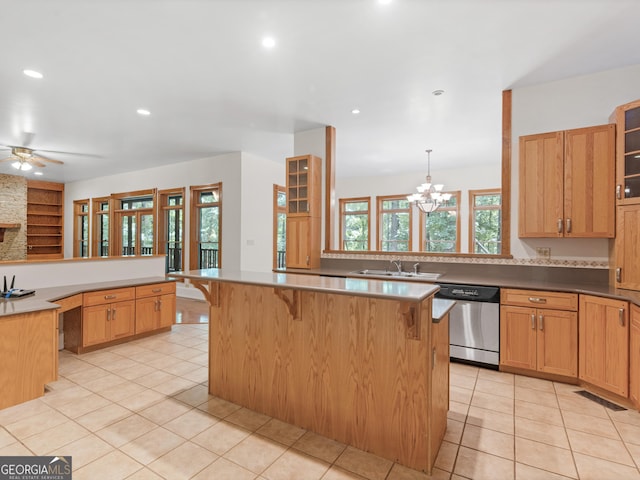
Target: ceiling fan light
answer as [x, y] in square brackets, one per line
[21, 166]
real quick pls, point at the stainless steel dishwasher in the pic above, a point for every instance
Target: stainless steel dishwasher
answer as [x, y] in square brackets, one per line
[474, 323]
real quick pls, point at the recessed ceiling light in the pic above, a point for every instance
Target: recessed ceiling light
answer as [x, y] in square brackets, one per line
[38, 173]
[268, 42]
[32, 73]
[384, 2]
[437, 93]
[142, 111]
[355, 111]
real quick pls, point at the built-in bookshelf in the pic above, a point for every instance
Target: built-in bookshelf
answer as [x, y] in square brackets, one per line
[45, 220]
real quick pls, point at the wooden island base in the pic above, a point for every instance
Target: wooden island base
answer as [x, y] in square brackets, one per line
[366, 371]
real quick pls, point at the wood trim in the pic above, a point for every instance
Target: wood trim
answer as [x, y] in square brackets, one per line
[96, 225]
[330, 186]
[77, 235]
[162, 221]
[507, 109]
[276, 210]
[341, 204]
[193, 221]
[379, 201]
[472, 209]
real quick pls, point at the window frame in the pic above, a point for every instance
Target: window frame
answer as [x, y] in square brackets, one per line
[118, 213]
[96, 217]
[379, 223]
[342, 203]
[278, 210]
[81, 216]
[472, 215]
[163, 209]
[457, 194]
[194, 242]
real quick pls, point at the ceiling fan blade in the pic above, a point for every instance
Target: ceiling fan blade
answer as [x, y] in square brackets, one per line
[69, 153]
[46, 159]
[8, 159]
[36, 161]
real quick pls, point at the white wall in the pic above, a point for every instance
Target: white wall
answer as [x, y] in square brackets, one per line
[485, 175]
[571, 103]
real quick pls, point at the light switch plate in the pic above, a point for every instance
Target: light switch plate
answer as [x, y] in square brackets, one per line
[543, 252]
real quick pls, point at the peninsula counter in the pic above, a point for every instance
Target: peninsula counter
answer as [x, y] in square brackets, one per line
[356, 360]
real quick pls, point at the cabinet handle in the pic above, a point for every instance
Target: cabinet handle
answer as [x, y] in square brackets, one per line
[108, 315]
[621, 317]
[559, 225]
[568, 230]
[533, 321]
[113, 314]
[308, 259]
[618, 274]
[159, 304]
[541, 322]
[109, 297]
[537, 300]
[619, 192]
[156, 290]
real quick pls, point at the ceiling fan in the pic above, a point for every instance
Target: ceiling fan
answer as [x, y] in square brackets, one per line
[25, 158]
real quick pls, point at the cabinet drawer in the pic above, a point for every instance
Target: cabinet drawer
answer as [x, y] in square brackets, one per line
[108, 296]
[155, 289]
[69, 303]
[539, 299]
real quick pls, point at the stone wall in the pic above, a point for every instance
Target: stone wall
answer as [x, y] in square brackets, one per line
[13, 209]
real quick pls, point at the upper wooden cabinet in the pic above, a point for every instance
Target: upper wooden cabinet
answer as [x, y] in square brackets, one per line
[627, 118]
[626, 249]
[45, 214]
[304, 191]
[567, 183]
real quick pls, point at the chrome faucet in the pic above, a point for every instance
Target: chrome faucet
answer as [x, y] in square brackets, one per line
[416, 268]
[398, 265]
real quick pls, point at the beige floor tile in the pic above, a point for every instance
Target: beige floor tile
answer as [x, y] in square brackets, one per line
[55, 437]
[483, 466]
[541, 432]
[136, 371]
[292, 463]
[103, 417]
[199, 374]
[446, 457]
[454, 430]
[625, 416]
[223, 469]
[35, 424]
[634, 451]
[145, 474]
[458, 411]
[527, 472]
[126, 430]
[281, 432]
[6, 438]
[62, 397]
[124, 390]
[196, 395]
[102, 383]
[183, 462]
[363, 463]
[498, 421]
[488, 441]
[84, 450]
[255, 453]
[162, 361]
[492, 402]
[165, 411]
[578, 404]
[112, 466]
[221, 437]
[219, 407]
[534, 383]
[24, 411]
[187, 353]
[180, 367]
[116, 367]
[87, 374]
[320, 447]
[70, 365]
[591, 468]
[539, 413]
[495, 388]
[337, 473]
[546, 457]
[152, 445]
[566, 388]
[154, 378]
[191, 423]
[462, 369]
[102, 356]
[596, 446]
[603, 427]
[174, 386]
[399, 472]
[462, 381]
[145, 399]
[548, 399]
[495, 376]
[248, 419]
[82, 406]
[629, 433]
[460, 395]
[16, 449]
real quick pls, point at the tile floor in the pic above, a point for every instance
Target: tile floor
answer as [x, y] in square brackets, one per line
[141, 411]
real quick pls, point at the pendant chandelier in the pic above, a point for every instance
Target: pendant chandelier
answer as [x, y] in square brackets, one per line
[429, 196]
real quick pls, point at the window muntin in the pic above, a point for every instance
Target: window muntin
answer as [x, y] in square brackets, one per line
[485, 234]
[355, 230]
[394, 218]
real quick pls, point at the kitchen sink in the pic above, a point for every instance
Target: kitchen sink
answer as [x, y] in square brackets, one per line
[394, 274]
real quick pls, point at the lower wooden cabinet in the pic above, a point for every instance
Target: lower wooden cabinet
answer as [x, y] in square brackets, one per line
[540, 339]
[303, 242]
[153, 313]
[104, 323]
[634, 355]
[604, 343]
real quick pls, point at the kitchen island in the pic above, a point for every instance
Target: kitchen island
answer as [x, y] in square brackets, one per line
[356, 360]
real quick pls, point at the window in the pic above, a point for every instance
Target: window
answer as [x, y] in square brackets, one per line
[134, 223]
[354, 223]
[171, 228]
[100, 213]
[279, 226]
[440, 230]
[81, 228]
[485, 235]
[206, 227]
[394, 223]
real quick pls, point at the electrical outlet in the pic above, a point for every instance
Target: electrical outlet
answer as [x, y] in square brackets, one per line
[543, 252]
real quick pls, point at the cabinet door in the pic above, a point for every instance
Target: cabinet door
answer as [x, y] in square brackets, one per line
[146, 314]
[518, 337]
[166, 310]
[634, 356]
[541, 185]
[122, 323]
[557, 342]
[627, 247]
[589, 182]
[298, 255]
[604, 343]
[95, 324]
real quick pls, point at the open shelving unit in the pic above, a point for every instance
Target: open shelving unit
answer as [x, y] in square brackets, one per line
[45, 220]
